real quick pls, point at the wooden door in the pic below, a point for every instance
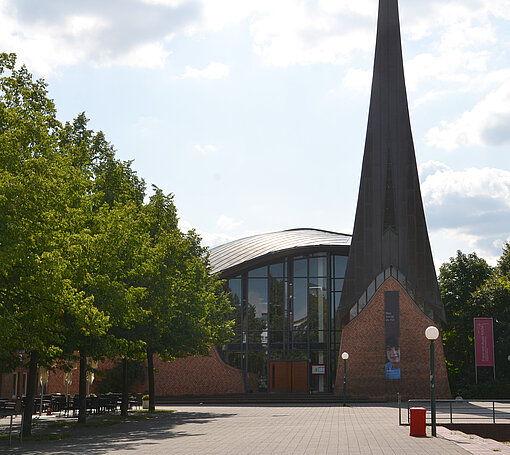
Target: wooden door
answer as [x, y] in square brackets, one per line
[300, 376]
[280, 376]
[288, 376]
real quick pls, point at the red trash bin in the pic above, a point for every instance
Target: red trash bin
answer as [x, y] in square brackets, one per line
[418, 422]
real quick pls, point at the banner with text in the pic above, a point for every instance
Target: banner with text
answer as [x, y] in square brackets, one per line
[484, 342]
[392, 329]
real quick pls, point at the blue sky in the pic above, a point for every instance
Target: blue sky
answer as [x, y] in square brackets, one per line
[253, 112]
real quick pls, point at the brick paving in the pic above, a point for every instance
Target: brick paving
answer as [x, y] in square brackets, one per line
[249, 429]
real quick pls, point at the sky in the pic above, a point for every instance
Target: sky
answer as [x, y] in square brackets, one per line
[253, 113]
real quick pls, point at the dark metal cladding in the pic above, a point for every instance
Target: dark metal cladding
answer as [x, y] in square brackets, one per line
[390, 227]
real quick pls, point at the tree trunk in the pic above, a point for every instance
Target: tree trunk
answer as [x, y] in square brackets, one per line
[125, 385]
[150, 371]
[31, 388]
[82, 413]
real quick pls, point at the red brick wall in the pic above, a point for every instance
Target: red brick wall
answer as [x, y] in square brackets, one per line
[364, 339]
[188, 376]
[197, 375]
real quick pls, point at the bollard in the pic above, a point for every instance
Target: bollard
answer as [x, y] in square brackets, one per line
[418, 422]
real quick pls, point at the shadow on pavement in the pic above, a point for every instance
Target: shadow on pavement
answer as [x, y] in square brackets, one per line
[130, 434]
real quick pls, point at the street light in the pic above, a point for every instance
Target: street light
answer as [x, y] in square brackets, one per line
[345, 356]
[432, 334]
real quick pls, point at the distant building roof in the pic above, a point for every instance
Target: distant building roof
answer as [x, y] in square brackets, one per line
[231, 255]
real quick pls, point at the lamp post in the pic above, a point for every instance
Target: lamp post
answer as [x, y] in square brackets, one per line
[432, 334]
[345, 356]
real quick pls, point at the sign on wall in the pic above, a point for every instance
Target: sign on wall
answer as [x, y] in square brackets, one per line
[319, 369]
[392, 332]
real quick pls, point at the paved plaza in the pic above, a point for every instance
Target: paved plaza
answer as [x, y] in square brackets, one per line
[249, 429]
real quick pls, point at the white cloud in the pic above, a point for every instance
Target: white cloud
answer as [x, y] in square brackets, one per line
[488, 123]
[214, 71]
[471, 206]
[206, 149]
[299, 33]
[224, 223]
[148, 55]
[212, 239]
[431, 168]
[284, 32]
[53, 34]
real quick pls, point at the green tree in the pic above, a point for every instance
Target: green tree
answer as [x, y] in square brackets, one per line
[492, 300]
[109, 249]
[184, 307]
[504, 261]
[41, 207]
[458, 279]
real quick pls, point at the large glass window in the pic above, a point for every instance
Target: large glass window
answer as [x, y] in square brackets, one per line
[277, 303]
[319, 266]
[287, 311]
[300, 267]
[257, 310]
[318, 304]
[234, 285]
[299, 300]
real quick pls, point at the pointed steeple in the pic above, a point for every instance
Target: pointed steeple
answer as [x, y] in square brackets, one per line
[390, 228]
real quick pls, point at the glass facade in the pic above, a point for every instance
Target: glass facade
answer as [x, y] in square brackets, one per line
[286, 318]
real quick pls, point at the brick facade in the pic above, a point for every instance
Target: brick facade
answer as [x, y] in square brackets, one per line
[188, 376]
[364, 339]
[197, 375]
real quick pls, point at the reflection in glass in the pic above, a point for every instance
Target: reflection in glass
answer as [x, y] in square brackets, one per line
[317, 303]
[234, 359]
[261, 272]
[257, 371]
[276, 303]
[235, 300]
[300, 267]
[339, 284]
[318, 266]
[276, 270]
[300, 313]
[257, 310]
[318, 381]
[340, 263]
[285, 311]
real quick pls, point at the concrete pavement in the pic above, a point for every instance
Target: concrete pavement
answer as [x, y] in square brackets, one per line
[248, 429]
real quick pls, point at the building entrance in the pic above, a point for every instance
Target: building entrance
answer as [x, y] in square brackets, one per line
[288, 376]
[286, 333]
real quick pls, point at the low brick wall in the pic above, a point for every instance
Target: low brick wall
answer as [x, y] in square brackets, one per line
[188, 376]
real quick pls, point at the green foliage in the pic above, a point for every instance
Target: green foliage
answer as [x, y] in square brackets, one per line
[85, 264]
[488, 389]
[504, 261]
[111, 379]
[184, 307]
[40, 204]
[471, 288]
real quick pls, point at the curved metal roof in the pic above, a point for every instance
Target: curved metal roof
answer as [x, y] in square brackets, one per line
[233, 254]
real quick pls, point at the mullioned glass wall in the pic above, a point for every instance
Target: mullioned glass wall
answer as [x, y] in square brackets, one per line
[287, 311]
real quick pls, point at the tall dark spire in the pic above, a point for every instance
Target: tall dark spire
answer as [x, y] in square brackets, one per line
[390, 227]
